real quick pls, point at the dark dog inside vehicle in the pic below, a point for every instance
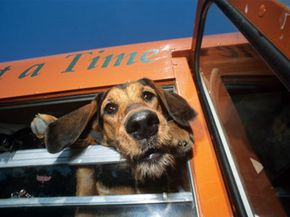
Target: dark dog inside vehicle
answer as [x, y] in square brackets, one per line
[146, 125]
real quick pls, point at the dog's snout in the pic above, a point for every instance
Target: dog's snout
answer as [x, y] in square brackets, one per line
[142, 125]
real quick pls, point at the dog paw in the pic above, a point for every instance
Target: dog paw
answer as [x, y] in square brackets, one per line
[39, 124]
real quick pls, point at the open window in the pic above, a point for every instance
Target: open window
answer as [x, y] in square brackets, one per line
[242, 76]
[36, 183]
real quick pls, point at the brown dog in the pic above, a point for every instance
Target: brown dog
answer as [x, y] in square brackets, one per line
[146, 125]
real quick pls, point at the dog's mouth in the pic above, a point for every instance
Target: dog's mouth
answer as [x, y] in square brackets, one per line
[152, 164]
[151, 155]
[155, 155]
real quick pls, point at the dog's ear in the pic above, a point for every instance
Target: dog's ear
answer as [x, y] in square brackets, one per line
[177, 107]
[68, 128]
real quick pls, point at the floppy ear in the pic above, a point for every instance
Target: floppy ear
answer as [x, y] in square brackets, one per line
[68, 128]
[177, 107]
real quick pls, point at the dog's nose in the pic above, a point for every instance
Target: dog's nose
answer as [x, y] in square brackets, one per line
[142, 125]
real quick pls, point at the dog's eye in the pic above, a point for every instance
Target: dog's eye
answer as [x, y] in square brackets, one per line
[147, 96]
[111, 108]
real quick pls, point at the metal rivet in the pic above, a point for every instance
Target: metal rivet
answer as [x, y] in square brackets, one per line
[246, 9]
[262, 10]
[281, 37]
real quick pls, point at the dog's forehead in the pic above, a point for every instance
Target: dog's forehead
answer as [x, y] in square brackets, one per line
[127, 91]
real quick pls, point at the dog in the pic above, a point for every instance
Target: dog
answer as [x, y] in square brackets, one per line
[148, 126]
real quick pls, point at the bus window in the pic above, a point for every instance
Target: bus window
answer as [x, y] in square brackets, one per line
[41, 184]
[251, 109]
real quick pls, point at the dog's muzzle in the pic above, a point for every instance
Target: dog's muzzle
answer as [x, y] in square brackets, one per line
[142, 124]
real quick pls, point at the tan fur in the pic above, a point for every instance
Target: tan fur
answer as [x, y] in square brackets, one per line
[104, 190]
[86, 185]
[114, 125]
[154, 171]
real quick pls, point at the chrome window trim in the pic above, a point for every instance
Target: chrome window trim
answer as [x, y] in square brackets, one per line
[193, 187]
[133, 199]
[228, 153]
[93, 154]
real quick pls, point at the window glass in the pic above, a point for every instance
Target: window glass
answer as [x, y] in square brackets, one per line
[285, 2]
[253, 108]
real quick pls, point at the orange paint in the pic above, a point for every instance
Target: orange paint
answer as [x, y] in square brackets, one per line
[58, 76]
[85, 69]
[211, 193]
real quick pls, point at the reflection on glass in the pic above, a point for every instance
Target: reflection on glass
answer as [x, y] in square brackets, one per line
[253, 107]
[152, 210]
[285, 2]
[25, 182]
[213, 27]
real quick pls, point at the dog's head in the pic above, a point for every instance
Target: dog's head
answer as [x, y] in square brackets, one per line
[147, 125]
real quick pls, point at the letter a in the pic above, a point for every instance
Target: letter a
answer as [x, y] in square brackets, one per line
[32, 71]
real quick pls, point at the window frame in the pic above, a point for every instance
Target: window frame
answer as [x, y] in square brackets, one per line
[91, 155]
[274, 58]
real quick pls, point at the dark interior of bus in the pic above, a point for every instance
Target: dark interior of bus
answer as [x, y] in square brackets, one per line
[250, 98]
[263, 105]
